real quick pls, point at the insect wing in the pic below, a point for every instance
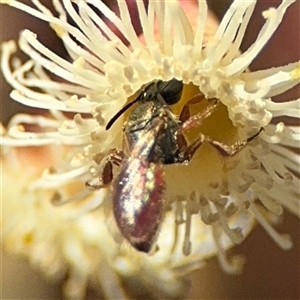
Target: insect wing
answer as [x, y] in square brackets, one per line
[138, 202]
[138, 192]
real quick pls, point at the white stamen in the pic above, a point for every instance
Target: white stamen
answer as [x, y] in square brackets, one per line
[233, 266]
[283, 241]
[273, 20]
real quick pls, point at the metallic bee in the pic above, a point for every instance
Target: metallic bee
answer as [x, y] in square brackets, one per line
[153, 137]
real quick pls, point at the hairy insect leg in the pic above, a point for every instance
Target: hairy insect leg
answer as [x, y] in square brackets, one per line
[224, 149]
[196, 120]
[115, 157]
[185, 112]
[191, 122]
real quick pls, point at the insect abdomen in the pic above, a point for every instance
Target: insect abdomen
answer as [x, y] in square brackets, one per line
[138, 202]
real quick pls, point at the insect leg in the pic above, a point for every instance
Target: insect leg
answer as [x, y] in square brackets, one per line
[191, 122]
[196, 120]
[224, 149]
[185, 112]
[106, 170]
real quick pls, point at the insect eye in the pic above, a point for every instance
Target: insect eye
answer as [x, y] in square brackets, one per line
[147, 96]
[170, 90]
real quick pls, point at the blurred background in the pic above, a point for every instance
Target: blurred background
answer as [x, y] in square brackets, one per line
[269, 273]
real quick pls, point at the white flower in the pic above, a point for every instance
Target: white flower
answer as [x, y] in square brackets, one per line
[210, 203]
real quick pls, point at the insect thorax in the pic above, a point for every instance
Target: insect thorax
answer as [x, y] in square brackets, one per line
[141, 121]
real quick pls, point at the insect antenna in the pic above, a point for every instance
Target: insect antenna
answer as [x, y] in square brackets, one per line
[119, 113]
